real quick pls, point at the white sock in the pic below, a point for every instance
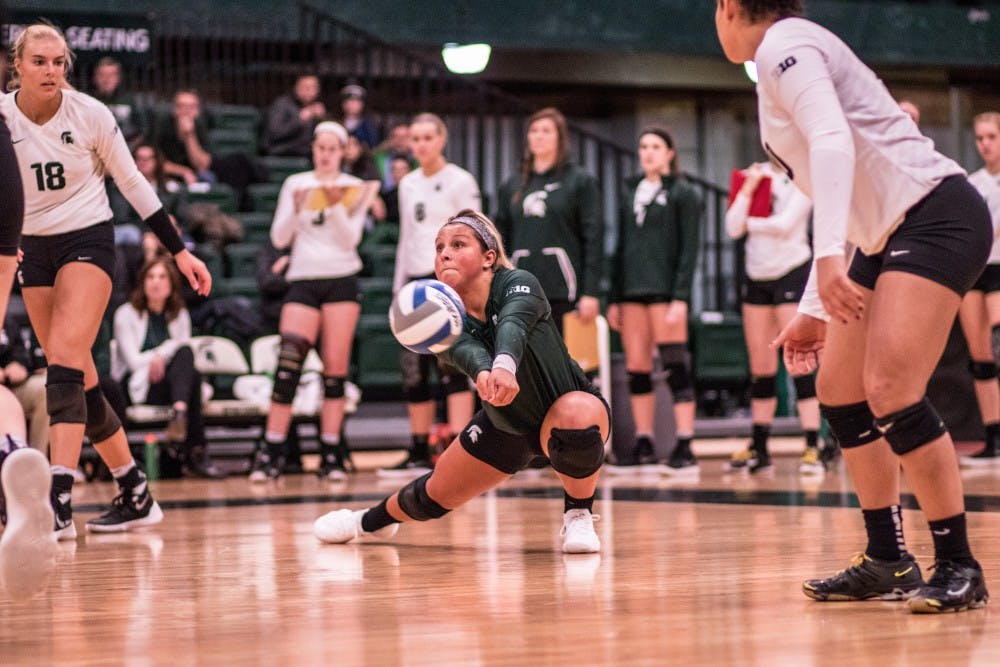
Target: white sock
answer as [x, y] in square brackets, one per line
[121, 471]
[330, 439]
[61, 470]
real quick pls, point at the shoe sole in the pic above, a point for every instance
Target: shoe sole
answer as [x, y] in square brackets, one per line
[681, 472]
[154, 517]
[394, 474]
[919, 605]
[581, 549]
[895, 595]
[66, 532]
[28, 545]
[811, 469]
[334, 476]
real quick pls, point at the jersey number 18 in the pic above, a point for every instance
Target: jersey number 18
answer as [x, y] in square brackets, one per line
[49, 176]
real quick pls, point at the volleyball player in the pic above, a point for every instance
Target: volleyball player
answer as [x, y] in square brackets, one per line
[428, 196]
[321, 215]
[659, 224]
[923, 236]
[536, 400]
[777, 267]
[65, 142]
[980, 310]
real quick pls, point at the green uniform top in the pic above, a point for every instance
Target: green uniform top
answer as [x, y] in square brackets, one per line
[552, 227]
[519, 323]
[657, 256]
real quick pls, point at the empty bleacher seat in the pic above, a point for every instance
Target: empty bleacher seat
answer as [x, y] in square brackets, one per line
[235, 117]
[376, 295]
[241, 259]
[223, 141]
[377, 355]
[280, 167]
[264, 196]
[245, 286]
[256, 227]
[719, 353]
[217, 193]
[379, 261]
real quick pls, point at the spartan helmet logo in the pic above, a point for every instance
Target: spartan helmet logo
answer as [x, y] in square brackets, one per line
[66, 137]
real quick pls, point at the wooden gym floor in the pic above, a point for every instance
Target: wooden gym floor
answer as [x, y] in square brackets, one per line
[701, 572]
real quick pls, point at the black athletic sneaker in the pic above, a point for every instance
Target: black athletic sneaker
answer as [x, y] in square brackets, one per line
[133, 507]
[952, 587]
[868, 578]
[334, 462]
[681, 463]
[412, 466]
[645, 452]
[267, 463]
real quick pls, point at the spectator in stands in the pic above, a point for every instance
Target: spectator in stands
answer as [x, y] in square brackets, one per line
[108, 89]
[397, 144]
[293, 116]
[155, 364]
[399, 166]
[358, 160]
[151, 164]
[272, 265]
[22, 368]
[352, 109]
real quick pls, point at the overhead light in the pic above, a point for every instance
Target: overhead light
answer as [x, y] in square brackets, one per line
[751, 70]
[466, 58]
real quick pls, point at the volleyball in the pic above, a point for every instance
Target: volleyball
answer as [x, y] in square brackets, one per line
[426, 316]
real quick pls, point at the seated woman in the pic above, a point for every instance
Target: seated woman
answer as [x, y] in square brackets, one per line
[155, 364]
[536, 400]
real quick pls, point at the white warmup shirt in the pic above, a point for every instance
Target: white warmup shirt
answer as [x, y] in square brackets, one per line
[778, 243]
[324, 238]
[425, 204]
[63, 164]
[989, 186]
[833, 126]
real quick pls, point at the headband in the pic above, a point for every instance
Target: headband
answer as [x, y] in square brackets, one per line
[481, 230]
[333, 128]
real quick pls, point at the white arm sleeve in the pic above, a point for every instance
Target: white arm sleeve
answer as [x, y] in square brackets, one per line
[810, 303]
[114, 154]
[283, 225]
[737, 216]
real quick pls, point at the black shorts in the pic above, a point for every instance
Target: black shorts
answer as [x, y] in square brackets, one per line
[507, 452]
[45, 255]
[786, 289]
[12, 200]
[314, 293]
[945, 237]
[989, 280]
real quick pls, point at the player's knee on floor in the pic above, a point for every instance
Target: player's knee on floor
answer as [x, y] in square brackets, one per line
[677, 363]
[102, 422]
[763, 387]
[912, 427]
[333, 386]
[805, 386]
[291, 355]
[640, 383]
[64, 395]
[419, 506]
[852, 425]
[576, 452]
[983, 370]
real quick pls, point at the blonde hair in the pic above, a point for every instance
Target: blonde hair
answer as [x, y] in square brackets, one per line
[987, 117]
[482, 226]
[435, 120]
[35, 32]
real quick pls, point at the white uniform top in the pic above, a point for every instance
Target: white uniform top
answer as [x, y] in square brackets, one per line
[989, 186]
[324, 239]
[63, 164]
[425, 204]
[833, 126]
[778, 243]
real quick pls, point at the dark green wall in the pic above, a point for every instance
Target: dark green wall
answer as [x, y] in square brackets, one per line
[927, 32]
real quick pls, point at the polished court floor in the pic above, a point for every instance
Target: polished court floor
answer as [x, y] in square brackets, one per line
[700, 572]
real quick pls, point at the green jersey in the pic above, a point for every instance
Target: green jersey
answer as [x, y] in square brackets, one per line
[519, 323]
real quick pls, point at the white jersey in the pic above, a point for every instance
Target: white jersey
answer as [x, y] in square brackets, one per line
[989, 186]
[324, 238]
[831, 124]
[64, 161]
[778, 243]
[425, 204]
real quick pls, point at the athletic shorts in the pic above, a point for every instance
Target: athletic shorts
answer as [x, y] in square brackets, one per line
[786, 289]
[314, 293]
[989, 280]
[945, 237]
[507, 452]
[12, 200]
[45, 255]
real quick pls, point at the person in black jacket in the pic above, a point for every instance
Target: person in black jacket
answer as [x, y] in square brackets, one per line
[659, 219]
[293, 116]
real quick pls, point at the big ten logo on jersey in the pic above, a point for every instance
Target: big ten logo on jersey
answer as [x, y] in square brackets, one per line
[534, 204]
[518, 289]
[420, 211]
[784, 66]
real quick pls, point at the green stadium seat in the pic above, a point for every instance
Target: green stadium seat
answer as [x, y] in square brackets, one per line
[235, 117]
[718, 350]
[377, 354]
[208, 253]
[264, 196]
[256, 227]
[238, 286]
[217, 193]
[241, 259]
[384, 233]
[280, 167]
[223, 141]
[380, 261]
[376, 296]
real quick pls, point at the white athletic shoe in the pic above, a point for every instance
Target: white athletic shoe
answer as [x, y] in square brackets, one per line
[340, 526]
[28, 545]
[578, 532]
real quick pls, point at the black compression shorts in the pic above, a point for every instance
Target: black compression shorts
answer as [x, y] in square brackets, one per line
[12, 199]
[45, 255]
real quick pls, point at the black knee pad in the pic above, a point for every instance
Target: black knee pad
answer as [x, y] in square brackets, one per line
[416, 376]
[983, 370]
[763, 386]
[64, 397]
[805, 386]
[576, 452]
[453, 383]
[102, 422]
[640, 383]
[852, 425]
[333, 386]
[995, 341]
[419, 506]
[291, 355]
[677, 363]
[912, 427]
